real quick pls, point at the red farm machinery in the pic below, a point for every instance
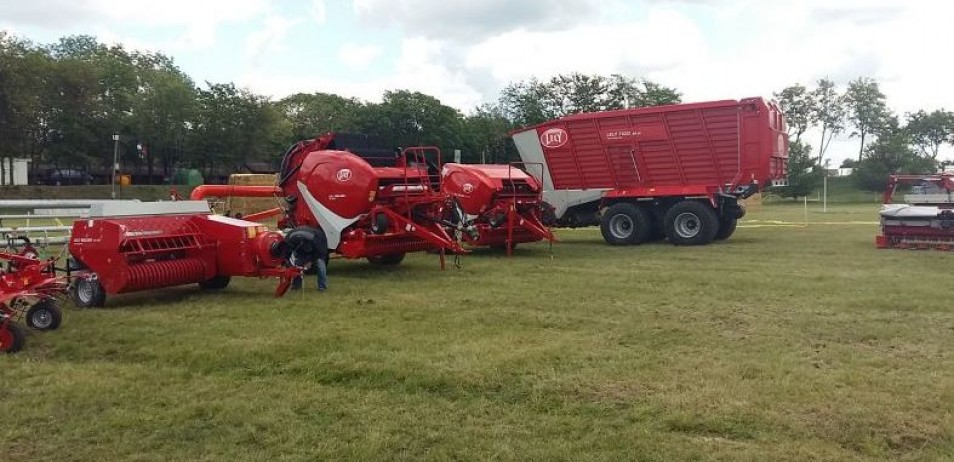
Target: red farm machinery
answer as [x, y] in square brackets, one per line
[379, 203]
[925, 219]
[29, 290]
[121, 248]
[495, 205]
[675, 171]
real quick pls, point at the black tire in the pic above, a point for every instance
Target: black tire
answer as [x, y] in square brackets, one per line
[389, 259]
[726, 228]
[625, 224]
[380, 224]
[12, 338]
[44, 315]
[217, 282]
[691, 223]
[87, 292]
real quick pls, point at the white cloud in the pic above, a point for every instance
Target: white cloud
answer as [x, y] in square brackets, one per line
[592, 48]
[199, 19]
[318, 11]
[418, 69]
[358, 57]
[270, 38]
[470, 21]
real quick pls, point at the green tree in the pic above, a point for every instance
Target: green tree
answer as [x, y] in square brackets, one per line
[162, 111]
[930, 130]
[799, 107]
[527, 103]
[316, 113]
[532, 102]
[804, 173]
[24, 78]
[867, 109]
[828, 112]
[405, 118]
[485, 136]
[891, 153]
[232, 126]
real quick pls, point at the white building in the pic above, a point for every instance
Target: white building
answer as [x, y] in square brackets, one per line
[14, 172]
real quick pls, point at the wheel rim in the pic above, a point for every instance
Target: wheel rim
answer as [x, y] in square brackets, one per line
[42, 318]
[84, 290]
[621, 226]
[687, 225]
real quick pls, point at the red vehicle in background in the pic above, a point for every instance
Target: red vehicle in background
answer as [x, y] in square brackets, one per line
[675, 171]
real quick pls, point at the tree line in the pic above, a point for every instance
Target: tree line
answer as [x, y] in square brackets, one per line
[887, 142]
[62, 103]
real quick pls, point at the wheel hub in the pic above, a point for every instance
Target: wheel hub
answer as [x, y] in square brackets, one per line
[84, 291]
[621, 226]
[42, 319]
[687, 225]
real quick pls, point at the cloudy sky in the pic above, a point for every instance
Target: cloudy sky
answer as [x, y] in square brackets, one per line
[464, 52]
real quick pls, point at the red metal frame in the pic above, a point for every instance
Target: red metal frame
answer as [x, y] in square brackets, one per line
[28, 281]
[135, 253]
[944, 180]
[683, 150]
[507, 207]
[933, 230]
[403, 193]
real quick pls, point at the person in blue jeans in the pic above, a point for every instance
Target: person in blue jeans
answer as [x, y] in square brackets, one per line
[310, 253]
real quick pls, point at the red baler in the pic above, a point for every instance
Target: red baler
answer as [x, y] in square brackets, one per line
[497, 205]
[376, 207]
[162, 244]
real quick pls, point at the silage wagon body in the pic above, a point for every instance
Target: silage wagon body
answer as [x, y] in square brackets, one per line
[674, 171]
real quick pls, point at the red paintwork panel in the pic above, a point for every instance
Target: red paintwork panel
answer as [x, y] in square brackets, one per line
[701, 146]
[134, 253]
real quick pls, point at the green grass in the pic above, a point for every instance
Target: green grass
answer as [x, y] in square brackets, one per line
[784, 343]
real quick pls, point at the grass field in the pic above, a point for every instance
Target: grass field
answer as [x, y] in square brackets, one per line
[784, 343]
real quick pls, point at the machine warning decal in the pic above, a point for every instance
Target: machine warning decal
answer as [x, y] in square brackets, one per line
[554, 138]
[343, 175]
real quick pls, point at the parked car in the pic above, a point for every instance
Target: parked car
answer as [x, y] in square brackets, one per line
[65, 176]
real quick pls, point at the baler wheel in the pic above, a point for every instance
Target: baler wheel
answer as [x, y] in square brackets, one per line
[625, 224]
[726, 228]
[44, 315]
[217, 282]
[12, 338]
[88, 293]
[691, 223]
[388, 259]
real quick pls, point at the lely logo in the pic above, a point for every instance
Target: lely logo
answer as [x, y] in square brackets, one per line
[468, 188]
[554, 138]
[343, 175]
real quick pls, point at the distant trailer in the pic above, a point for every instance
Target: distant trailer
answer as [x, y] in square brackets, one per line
[675, 171]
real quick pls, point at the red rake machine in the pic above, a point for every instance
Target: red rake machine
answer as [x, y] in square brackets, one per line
[122, 249]
[495, 205]
[29, 289]
[925, 220]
